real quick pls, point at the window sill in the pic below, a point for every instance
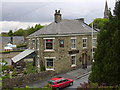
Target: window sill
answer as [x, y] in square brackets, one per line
[73, 65]
[73, 48]
[49, 50]
[50, 69]
[84, 47]
[94, 47]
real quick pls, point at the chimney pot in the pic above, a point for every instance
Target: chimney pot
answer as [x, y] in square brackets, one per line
[57, 16]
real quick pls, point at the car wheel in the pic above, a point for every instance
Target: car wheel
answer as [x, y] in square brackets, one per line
[71, 83]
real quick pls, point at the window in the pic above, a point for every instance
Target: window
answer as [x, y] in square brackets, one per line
[49, 63]
[37, 44]
[73, 41]
[64, 80]
[73, 60]
[61, 43]
[59, 81]
[29, 43]
[84, 42]
[51, 82]
[49, 44]
[33, 43]
[94, 42]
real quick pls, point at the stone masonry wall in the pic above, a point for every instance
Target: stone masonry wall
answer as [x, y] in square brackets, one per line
[62, 57]
[25, 79]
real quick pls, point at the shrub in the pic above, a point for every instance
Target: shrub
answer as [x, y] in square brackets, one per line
[43, 68]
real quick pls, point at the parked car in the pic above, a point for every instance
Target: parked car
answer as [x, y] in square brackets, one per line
[59, 82]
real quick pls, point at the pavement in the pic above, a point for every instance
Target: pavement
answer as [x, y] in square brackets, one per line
[74, 74]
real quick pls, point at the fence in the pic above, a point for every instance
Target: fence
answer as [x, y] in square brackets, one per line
[25, 79]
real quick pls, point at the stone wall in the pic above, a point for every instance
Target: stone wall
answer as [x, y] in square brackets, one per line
[62, 55]
[25, 79]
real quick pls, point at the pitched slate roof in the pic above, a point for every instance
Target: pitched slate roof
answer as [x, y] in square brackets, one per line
[64, 27]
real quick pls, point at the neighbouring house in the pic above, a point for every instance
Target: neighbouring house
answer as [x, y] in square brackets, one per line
[60, 46]
[4, 41]
[16, 41]
[9, 47]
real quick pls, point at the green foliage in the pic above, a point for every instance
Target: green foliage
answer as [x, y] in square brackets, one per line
[10, 33]
[43, 68]
[94, 85]
[4, 35]
[99, 23]
[14, 73]
[28, 31]
[30, 68]
[6, 77]
[19, 32]
[106, 67]
[21, 45]
[3, 61]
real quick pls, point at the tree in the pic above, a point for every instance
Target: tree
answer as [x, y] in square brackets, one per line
[19, 32]
[106, 67]
[28, 31]
[99, 23]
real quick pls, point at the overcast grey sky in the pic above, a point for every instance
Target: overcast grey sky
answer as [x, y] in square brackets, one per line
[23, 13]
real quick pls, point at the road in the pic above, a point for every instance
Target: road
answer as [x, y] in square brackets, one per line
[72, 75]
[77, 83]
[74, 86]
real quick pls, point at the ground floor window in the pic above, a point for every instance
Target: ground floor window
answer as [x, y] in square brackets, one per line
[49, 63]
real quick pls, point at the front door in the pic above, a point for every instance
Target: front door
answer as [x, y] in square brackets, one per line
[84, 60]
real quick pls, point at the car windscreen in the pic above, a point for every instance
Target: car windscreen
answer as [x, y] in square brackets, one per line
[51, 82]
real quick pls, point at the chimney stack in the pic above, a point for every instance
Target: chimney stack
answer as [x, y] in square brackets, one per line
[57, 16]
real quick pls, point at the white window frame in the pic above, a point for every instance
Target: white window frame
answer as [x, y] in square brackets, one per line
[84, 42]
[46, 62]
[38, 44]
[94, 43]
[73, 65]
[33, 44]
[38, 61]
[52, 45]
[73, 44]
[29, 40]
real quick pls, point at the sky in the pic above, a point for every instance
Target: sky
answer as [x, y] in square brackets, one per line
[15, 14]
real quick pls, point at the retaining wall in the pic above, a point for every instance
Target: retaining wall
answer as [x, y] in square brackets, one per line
[25, 79]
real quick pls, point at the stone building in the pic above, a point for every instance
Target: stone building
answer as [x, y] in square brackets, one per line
[63, 44]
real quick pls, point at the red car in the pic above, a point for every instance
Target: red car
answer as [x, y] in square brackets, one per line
[59, 82]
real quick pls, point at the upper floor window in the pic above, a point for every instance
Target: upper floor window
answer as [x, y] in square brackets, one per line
[73, 41]
[94, 42]
[29, 43]
[33, 43]
[49, 44]
[37, 43]
[61, 43]
[84, 42]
